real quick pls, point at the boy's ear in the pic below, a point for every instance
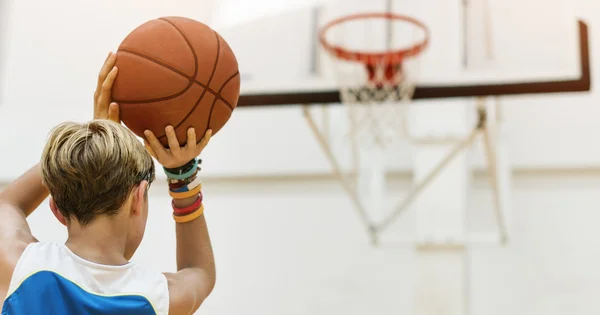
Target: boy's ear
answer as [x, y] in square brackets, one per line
[56, 212]
[141, 195]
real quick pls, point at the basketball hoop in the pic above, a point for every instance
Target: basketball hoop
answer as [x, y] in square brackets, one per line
[382, 67]
[379, 83]
[376, 79]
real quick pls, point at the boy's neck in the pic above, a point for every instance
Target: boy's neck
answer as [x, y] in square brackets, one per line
[101, 242]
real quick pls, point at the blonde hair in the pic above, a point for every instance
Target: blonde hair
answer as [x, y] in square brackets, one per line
[90, 169]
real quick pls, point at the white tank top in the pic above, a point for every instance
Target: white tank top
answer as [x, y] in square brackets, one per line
[50, 279]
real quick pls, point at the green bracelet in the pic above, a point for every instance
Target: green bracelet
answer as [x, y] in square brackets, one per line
[184, 175]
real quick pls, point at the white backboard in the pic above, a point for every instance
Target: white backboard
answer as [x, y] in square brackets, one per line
[486, 42]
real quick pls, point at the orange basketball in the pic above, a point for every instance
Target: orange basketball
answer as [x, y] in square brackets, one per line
[179, 72]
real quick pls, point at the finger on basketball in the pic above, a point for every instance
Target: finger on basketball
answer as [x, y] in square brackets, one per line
[113, 113]
[149, 149]
[191, 138]
[172, 139]
[106, 93]
[155, 145]
[108, 82]
[106, 68]
[110, 78]
[204, 142]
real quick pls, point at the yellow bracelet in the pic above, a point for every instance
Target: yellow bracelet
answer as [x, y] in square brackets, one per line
[186, 194]
[189, 217]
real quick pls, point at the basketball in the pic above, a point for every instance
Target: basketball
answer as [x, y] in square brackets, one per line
[175, 71]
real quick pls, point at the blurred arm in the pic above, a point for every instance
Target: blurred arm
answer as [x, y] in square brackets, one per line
[27, 192]
[17, 201]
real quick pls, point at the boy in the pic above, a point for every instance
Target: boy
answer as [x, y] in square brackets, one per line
[98, 175]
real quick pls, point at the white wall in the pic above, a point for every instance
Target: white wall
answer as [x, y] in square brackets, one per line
[280, 251]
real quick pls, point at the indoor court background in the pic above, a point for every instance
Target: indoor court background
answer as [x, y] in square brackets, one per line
[285, 236]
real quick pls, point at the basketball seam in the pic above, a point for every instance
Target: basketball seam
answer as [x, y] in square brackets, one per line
[212, 106]
[190, 82]
[160, 63]
[208, 84]
[189, 114]
[223, 86]
[216, 94]
[187, 41]
[164, 98]
[216, 99]
[195, 77]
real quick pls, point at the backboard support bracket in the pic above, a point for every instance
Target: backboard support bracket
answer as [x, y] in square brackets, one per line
[374, 229]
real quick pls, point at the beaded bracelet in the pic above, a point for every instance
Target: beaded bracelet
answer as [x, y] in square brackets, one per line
[175, 184]
[196, 182]
[189, 217]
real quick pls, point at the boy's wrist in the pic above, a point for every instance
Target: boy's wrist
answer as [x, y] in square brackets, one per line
[184, 171]
[186, 189]
[185, 166]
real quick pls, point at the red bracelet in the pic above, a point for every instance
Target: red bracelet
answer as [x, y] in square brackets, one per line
[189, 209]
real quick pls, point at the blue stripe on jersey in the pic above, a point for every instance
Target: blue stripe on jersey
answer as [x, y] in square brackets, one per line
[46, 292]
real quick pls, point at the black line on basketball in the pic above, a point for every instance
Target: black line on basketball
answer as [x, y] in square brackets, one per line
[164, 98]
[189, 45]
[206, 89]
[223, 86]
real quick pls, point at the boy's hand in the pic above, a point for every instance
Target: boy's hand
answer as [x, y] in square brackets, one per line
[103, 108]
[175, 156]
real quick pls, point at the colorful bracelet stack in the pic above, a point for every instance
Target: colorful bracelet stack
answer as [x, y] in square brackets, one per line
[184, 182]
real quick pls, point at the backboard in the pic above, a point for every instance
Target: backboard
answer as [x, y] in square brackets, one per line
[477, 47]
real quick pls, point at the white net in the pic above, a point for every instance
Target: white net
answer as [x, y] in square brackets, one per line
[376, 96]
[377, 111]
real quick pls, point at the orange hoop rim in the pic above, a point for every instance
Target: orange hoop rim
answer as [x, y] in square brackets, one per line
[392, 57]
